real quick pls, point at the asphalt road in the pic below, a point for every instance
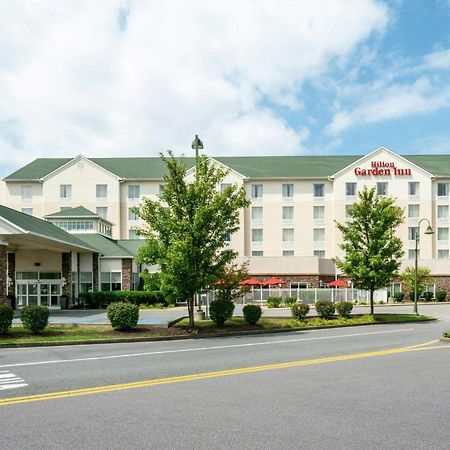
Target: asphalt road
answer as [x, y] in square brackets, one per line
[349, 388]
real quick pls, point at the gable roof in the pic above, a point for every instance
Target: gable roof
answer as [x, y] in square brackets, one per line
[79, 211]
[37, 169]
[110, 248]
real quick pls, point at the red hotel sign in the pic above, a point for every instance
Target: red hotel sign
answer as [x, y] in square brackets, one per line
[382, 168]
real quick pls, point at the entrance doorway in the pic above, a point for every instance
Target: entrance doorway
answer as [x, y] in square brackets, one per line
[45, 293]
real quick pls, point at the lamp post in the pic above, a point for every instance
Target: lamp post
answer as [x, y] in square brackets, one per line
[429, 230]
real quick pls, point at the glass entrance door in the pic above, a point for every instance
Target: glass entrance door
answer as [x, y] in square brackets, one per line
[44, 293]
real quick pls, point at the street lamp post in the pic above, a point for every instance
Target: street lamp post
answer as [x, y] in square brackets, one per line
[429, 230]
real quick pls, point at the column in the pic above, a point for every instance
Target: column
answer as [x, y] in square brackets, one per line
[95, 274]
[3, 272]
[127, 274]
[66, 265]
[12, 273]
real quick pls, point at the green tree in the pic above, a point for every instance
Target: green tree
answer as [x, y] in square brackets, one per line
[372, 250]
[187, 227]
[408, 276]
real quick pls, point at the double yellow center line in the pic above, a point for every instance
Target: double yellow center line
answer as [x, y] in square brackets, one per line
[203, 376]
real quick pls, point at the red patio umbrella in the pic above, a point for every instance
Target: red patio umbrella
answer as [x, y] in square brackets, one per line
[338, 283]
[273, 282]
[252, 282]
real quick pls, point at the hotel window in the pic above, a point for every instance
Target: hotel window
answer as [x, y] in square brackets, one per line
[382, 188]
[227, 237]
[288, 191]
[102, 211]
[413, 188]
[319, 190]
[288, 214]
[412, 253]
[319, 235]
[134, 191]
[85, 281]
[442, 213]
[442, 254]
[442, 235]
[319, 214]
[26, 193]
[319, 253]
[288, 235]
[257, 214]
[132, 234]
[65, 191]
[412, 232]
[288, 252]
[413, 211]
[133, 214]
[257, 253]
[111, 281]
[442, 189]
[257, 235]
[101, 191]
[223, 186]
[28, 211]
[350, 189]
[257, 191]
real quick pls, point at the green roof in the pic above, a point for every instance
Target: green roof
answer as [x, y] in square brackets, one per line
[37, 226]
[107, 247]
[79, 211]
[136, 168]
[131, 245]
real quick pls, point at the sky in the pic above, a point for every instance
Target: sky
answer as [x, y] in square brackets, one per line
[138, 77]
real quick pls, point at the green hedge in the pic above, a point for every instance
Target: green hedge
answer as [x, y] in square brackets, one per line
[101, 299]
[6, 318]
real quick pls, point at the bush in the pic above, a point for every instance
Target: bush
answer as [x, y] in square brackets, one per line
[325, 309]
[428, 296]
[101, 299]
[399, 296]
[252, 313]
[290, 301]
[273, 302]
[6, 317]
[344, 309]
[35, 318]
[123, 315]
[221, 310]
[299, 311]
[440, 296]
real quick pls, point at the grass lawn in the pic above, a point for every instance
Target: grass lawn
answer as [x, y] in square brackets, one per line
[18, 335]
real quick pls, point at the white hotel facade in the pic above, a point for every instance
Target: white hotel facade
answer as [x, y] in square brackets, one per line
[289, 229]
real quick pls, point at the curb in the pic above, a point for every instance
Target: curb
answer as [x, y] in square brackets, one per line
[444, 339]
[201, 336]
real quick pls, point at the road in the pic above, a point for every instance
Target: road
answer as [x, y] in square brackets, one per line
[370, 387]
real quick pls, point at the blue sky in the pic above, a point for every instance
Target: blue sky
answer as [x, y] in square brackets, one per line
[137, 77]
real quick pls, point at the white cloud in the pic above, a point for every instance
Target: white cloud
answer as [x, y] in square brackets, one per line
[438, 60]
[116, 77]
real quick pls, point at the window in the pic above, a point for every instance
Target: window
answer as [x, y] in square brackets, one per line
[74, 225]
[319, 190]
[396, 287]
[28, 211]
[442, 189]
[65, 191]
[85, 281]
[442, 213]
[227, 237]
[350, 189]
[132, 234]
[412, 253]
[318, 214]
[288, 214]
[111, 281]
[161, 189]
[257, 214]
[412, 232]
[101, 191]
[26, 193]
[288, 235]
[413, 188]
[413, 211]
[382, 188]
[102, 211]
[257, 253]
[442, 235]
[257, 191]
[347, 212]
[319, 253]
[133, 214]
[223, 186]
[442, 254]
[134, 191]
[257, 235]
[288, 252]
[319, 235]
[288, 191]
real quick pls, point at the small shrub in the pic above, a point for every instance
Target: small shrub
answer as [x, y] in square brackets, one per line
[428, 296]
[325, 309]
[252, 313]
[6, 317]
[221, 310]
[273, 302]
[344, 309]
[440, 296]
[290, 301]
[35, 318]
[399, 296]
[123, 315]
[299, 311]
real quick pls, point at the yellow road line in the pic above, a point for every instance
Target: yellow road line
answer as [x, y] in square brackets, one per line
[202, 376]
[426, 344]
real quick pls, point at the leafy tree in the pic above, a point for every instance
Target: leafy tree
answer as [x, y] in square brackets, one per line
[186, 228]
[230, 286]
[372, 251]
[407, 277]
[151, 280]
